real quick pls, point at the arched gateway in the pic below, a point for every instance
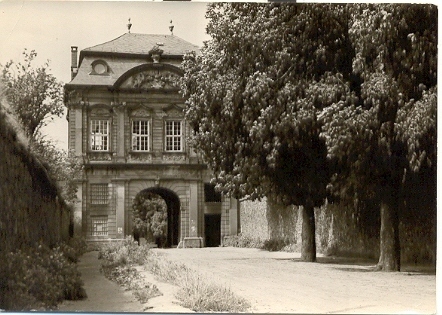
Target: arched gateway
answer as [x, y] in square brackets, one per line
[127, 126]
[173, 213]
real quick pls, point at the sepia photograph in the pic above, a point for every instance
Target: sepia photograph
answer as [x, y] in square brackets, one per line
[218, 157]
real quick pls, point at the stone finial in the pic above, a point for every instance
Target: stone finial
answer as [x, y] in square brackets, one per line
[129, 25]
[171, 27]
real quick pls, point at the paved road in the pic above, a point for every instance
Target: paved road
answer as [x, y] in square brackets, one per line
[279, 282]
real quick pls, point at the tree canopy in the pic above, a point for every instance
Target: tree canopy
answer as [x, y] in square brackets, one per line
[253, 96]
[34, 94]
[284, 95]
[390, 129]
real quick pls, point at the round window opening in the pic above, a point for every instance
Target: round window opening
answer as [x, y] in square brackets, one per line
[100, 68]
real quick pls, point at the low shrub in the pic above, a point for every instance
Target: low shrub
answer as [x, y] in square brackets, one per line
[122, 253]
[195, 292]
[274, 245]
[242, 241]
[118, 259]
[38, 278]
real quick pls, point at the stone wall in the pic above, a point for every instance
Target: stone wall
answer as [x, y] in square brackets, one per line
[340, 230]
[30, 207]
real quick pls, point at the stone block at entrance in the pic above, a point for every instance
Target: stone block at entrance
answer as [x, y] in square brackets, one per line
[193, 242]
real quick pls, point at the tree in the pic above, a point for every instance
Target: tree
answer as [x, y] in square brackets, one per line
[149, 217]
[34, 94]
[386, 127]
[253, 95]
[63, 167]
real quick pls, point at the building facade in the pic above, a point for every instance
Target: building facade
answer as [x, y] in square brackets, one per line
[127, 125]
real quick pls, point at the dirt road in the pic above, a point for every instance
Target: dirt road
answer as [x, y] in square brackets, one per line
[279, 282]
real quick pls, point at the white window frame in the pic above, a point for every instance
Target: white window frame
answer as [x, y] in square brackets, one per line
[99, 135]
[173, 136]
[140, 136]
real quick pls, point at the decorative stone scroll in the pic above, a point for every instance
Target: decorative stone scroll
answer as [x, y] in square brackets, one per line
[152, 79]
[139, 157]
[174, 158]
[99, 156]
[141, 112]
[100, 112]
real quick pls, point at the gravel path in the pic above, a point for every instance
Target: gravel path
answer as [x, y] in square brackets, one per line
[279, 282]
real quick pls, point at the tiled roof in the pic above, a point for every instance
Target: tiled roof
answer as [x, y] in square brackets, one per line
[142, 43]
[127, 44]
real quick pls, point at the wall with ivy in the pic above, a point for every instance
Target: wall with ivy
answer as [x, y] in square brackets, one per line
[31, 210]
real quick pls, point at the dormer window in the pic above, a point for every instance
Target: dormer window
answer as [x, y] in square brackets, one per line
[100, 67]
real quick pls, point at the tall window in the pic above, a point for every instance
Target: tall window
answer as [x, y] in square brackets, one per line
[99, 135]
[140, 135]
[99, 194]
[99, 225]
[174, 135]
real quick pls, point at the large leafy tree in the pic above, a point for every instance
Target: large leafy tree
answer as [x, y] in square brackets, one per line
[253, 94]
[386, 127]
[34, 95]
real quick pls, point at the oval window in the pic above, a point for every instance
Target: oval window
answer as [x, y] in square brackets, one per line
[100, 68]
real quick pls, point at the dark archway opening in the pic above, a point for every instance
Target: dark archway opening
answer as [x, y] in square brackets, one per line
[173, 213]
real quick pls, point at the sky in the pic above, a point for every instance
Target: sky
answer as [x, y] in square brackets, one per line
[52, 27]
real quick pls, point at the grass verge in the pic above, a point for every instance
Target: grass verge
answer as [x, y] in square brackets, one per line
[196, 292]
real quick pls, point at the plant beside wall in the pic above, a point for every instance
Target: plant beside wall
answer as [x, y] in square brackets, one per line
[119, 261]
[39, 278]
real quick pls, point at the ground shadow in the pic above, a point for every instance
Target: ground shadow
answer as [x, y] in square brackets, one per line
[359, 264]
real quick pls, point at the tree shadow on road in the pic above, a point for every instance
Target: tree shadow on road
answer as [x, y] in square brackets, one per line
[359, 264]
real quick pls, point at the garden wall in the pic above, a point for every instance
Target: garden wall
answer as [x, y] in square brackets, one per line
[340, 230]
[30, 207]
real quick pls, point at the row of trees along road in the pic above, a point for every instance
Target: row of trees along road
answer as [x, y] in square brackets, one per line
[299, 102]
[35, 98]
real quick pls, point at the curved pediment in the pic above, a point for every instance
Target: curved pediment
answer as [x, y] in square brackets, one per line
[150, 77]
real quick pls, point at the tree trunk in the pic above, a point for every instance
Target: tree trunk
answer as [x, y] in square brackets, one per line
[308, 248]
[390, 252]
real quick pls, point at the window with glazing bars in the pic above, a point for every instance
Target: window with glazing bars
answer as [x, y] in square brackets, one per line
[99, 135]
[140, 135]
[99, 194]
[173, 135]
[99, 225]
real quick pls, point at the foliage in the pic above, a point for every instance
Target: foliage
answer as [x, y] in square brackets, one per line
[274, 245]
[386, 126]
[120, 253]
[118, 261]
[63, 166]
[38, 278]
[243, 241]
[253, 96]
[149, 215]
[34, 94]
[196, 292]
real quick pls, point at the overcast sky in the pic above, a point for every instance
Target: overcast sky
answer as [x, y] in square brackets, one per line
[51, 28]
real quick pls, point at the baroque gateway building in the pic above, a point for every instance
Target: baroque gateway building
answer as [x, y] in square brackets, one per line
[127, 125]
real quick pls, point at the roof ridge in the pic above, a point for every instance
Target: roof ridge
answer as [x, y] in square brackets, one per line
[105, 42]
